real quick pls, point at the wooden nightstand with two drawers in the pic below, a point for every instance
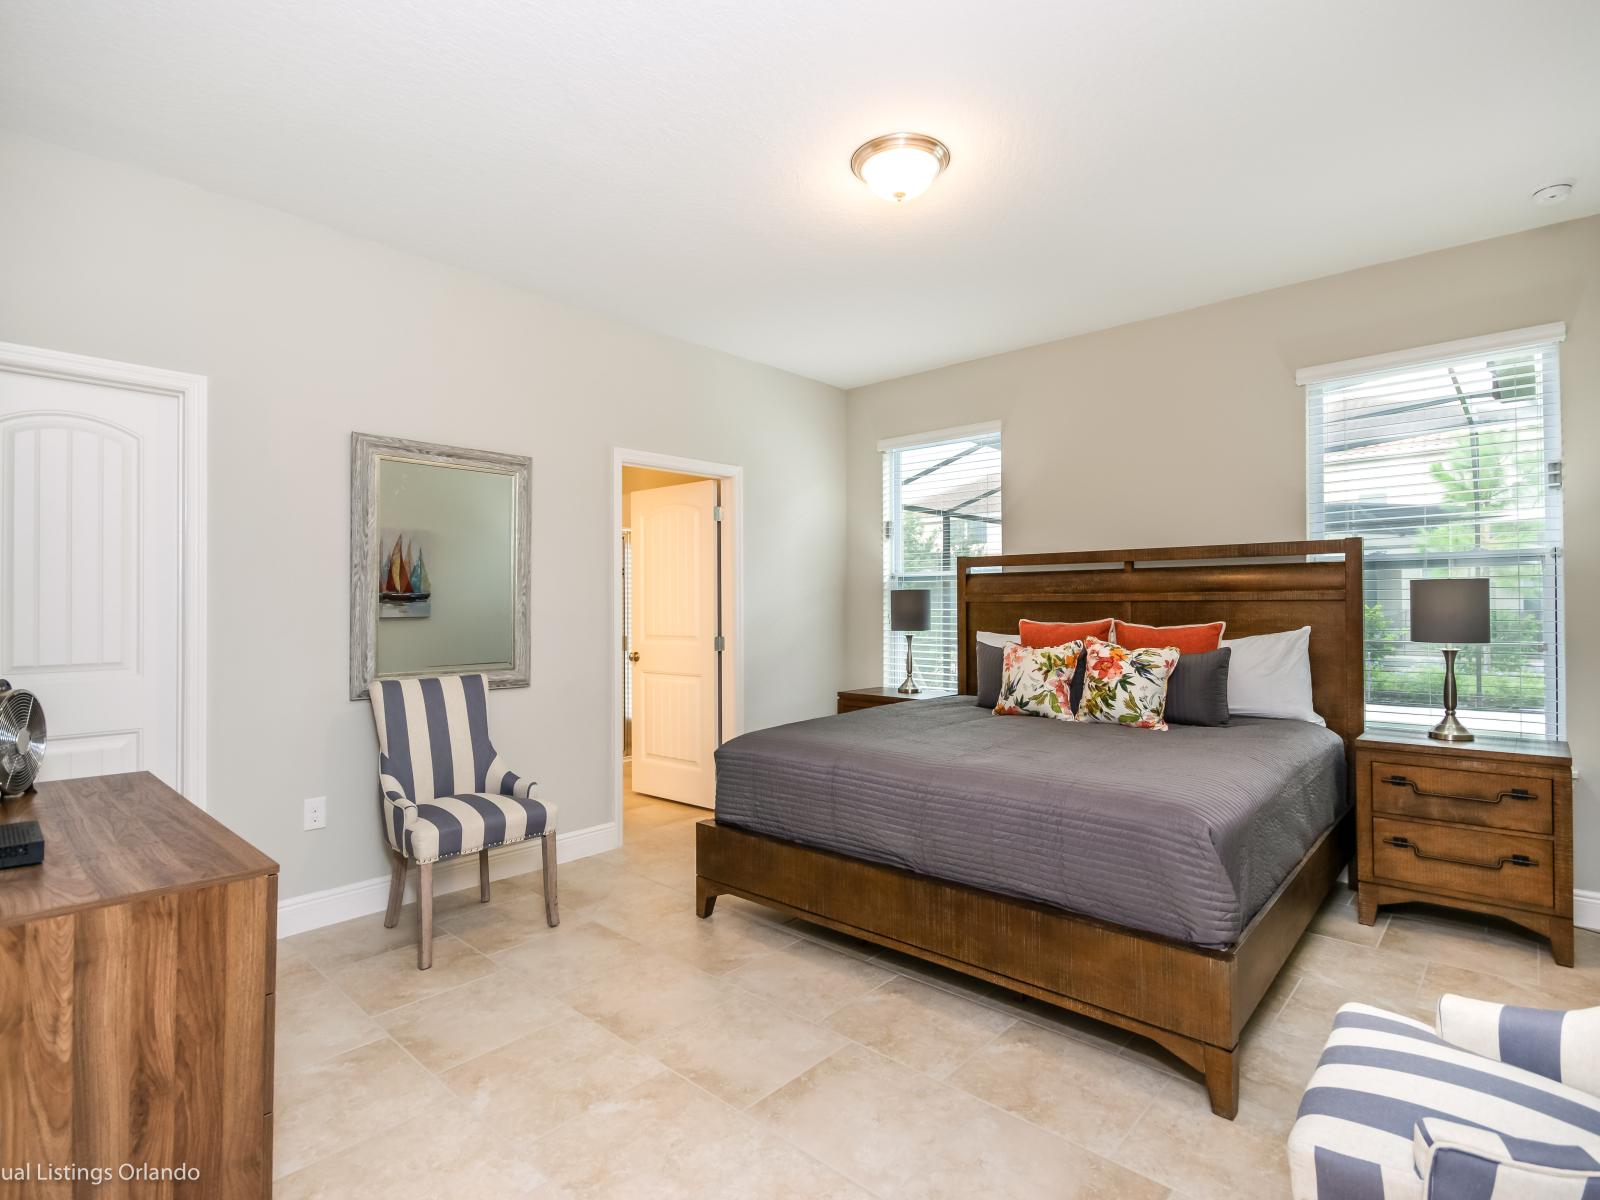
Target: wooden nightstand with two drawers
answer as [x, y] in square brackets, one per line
[1484, 825]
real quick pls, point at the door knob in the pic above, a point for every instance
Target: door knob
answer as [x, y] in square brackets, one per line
[633, 656]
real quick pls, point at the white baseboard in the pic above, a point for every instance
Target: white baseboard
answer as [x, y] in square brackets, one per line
[313, 910]
[1586, 909]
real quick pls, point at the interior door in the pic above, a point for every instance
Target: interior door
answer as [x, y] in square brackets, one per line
[90, 563]
[674, 634]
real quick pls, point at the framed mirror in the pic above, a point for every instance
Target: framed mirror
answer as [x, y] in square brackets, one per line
[439, 562]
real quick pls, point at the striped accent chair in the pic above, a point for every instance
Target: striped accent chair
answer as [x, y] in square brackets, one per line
[1494, 1101]
[444, 791]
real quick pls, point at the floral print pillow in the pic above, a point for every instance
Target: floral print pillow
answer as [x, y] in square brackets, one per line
[1126, 687]
[1037, 681]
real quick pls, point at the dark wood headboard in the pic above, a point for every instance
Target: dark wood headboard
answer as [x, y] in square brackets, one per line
[1265, 587]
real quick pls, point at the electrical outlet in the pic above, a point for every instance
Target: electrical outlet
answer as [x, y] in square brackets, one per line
[317, 812]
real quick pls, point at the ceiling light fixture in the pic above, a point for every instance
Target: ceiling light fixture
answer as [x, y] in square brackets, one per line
[1554, 194]
[900, 166]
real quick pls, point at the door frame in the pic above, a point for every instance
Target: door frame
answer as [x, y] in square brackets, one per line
[189, 391]
[732, 584]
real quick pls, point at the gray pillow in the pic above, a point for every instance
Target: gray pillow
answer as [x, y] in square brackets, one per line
[1197, 690]
[992, 670]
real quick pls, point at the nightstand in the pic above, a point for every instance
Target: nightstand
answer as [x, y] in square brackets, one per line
[855, 699]
[1485, 826]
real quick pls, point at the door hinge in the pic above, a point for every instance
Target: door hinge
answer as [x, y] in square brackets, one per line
[719, 643]
[1552, 473]
[716, 513]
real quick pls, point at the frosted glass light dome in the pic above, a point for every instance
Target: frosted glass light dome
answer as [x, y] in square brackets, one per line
[900, 166]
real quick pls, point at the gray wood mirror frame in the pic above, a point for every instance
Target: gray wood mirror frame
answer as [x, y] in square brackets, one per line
[439, 562]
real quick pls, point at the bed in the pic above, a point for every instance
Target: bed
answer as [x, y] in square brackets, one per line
[1155, 881]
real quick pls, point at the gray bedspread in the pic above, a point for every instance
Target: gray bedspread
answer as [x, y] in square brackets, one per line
[1184, 833]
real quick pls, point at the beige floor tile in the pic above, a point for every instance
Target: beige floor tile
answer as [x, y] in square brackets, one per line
[665, 855]
[1525, 989]
[1181, 1143]
[646, 911]
[665, 1138]
[575, 953]
[544, 1079]
[918, 1025]
[808, 979]
[1348, 972]
[1443, 937]
[390, 979]
[835, 940]
[314, 1020]
[455, 1161]
[724, 942]
[648, 814]
[1583, 977]
[743, 1049]
[1337, 918]
[342, 1100]
[1086, 1094]
[509, 919]
[900, 1133]
[349, 941]
[446, 1030]
[647, 996]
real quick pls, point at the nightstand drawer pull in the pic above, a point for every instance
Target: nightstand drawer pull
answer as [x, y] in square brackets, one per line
[1516, 860]
[1508, 794]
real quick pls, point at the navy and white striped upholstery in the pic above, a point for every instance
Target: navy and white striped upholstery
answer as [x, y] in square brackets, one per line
[1557, 1044]
[1381, 1075]
[445, 790]
[1465, 1161]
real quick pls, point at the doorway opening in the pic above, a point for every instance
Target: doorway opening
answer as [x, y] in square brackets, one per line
[676, 591]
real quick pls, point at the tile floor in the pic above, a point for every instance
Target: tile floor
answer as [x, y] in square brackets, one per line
[637, 1052]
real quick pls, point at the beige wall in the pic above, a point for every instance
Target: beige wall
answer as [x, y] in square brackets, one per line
[307, 334]
[1202, 405]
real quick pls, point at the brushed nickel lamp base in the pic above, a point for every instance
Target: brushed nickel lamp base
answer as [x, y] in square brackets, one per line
[1450, 729]
[909, 687]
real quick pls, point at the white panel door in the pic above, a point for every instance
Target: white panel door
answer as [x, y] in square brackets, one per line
[674, 634]
[90, 562]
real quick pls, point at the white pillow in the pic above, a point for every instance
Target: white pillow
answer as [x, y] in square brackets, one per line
[1270, 676]
[998, 639]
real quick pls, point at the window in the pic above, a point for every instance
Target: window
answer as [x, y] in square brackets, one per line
[941, 500]
[1448, 463]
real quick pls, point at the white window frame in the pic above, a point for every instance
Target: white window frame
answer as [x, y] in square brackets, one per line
[1400, 360]
[890, 502]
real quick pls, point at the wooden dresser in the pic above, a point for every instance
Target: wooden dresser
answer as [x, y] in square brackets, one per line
[1485, 825]
[136, 1011]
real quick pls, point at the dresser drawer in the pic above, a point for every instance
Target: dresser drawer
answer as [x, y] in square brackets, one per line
[1492, 865]
[1486, 798]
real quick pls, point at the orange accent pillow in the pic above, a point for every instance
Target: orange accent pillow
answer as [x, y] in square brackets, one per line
[1189, 639]
[1038, 635]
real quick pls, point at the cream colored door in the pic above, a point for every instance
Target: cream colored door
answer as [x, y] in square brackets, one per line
[674, 634]
[90, 561]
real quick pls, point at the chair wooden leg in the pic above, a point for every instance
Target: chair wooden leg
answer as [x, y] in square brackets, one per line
[397, 890]
[552, 910]
[425, 911]
[483, 877]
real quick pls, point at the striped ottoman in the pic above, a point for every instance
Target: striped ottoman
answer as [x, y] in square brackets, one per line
[1498, 1102]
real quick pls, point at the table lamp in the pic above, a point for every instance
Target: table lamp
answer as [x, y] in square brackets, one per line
[1453, 611]
[908, 614]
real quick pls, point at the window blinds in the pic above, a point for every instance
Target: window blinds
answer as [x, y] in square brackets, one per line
[1450, 467]
[941, 500]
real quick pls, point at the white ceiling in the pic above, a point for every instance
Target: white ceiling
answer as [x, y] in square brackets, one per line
[684, 164]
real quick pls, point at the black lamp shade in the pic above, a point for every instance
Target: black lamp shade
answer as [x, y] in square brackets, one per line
[1454, 611]
[908, 609]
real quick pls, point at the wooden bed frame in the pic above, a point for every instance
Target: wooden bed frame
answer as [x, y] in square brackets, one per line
[1192, 1000]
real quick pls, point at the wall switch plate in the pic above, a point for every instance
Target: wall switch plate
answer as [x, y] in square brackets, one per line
[317, 812]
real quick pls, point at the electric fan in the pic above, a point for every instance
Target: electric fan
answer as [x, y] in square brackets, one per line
[22, 736]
